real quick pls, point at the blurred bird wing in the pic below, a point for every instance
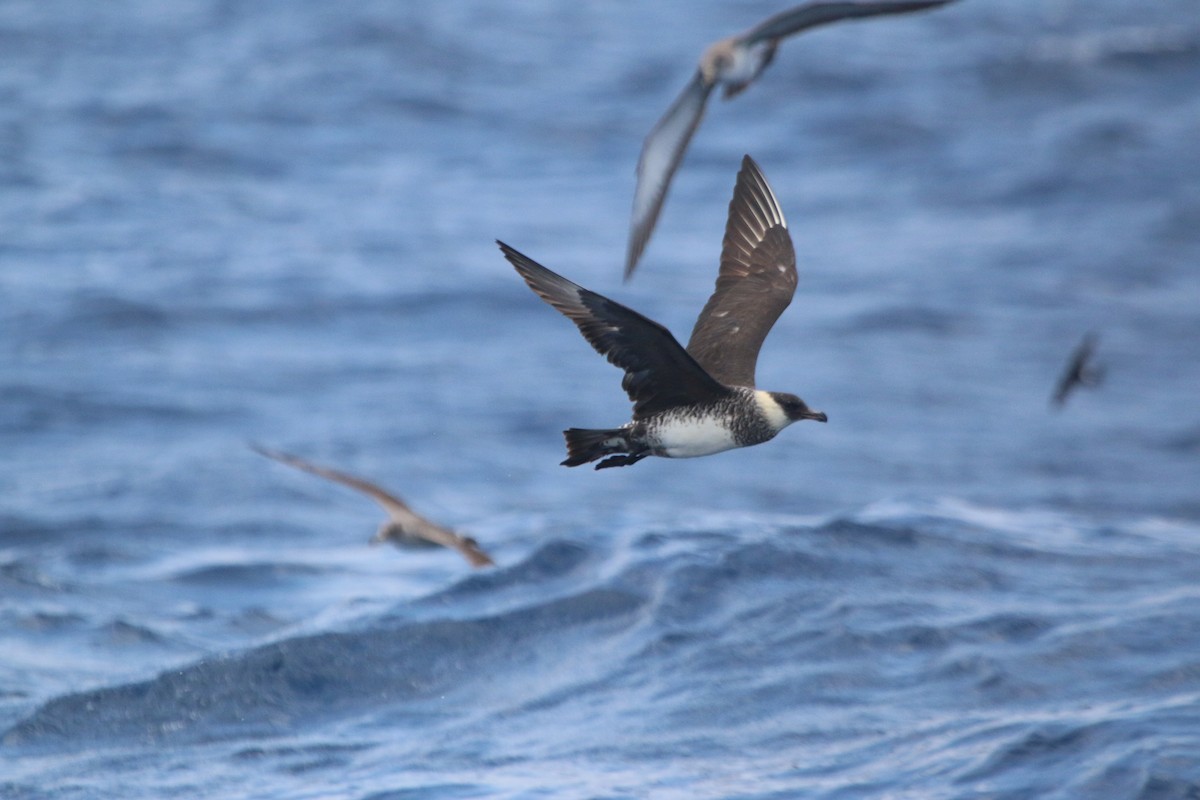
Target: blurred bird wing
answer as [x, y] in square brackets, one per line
[465, 545]
[662, 152]
[396, 508]
[1077, 370]
[409, 521]
[811, 15]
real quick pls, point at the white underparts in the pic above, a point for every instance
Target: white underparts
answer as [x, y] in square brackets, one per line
[690, 437]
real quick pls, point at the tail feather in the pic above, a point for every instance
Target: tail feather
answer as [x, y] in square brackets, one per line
[585, 445]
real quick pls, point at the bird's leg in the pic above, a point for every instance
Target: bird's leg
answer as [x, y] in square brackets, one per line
[621, 461]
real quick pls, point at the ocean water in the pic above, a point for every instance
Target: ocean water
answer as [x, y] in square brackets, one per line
[224, 223]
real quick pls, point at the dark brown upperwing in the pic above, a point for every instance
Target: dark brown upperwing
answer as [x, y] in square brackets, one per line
[659, 373]
[755, 284]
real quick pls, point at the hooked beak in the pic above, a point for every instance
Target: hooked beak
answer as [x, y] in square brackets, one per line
[819, 416]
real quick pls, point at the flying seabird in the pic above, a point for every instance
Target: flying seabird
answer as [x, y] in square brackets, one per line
[734, 63]
[1080, 371]
[403, 527]
[701, 400]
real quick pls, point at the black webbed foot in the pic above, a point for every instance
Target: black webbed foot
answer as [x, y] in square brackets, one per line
[620, 461]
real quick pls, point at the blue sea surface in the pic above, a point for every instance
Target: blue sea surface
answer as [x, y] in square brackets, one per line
[274, 222]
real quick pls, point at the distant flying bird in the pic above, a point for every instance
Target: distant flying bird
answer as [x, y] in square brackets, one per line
[701, 400]
[404, 527]
[733, 63]
[1080, 371]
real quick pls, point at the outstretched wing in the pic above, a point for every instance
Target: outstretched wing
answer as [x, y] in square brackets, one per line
[410, 522]
[810, 15]
[467, 547]
[394, 506]
[659, 374]
[661, 155]
[755, 284]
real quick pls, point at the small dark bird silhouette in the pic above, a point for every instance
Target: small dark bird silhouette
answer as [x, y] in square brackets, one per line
[701, 400]
[734, 63]
[1080, 371]
[404, 527]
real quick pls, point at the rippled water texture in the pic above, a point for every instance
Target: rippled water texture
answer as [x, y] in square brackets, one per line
[224, 223]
